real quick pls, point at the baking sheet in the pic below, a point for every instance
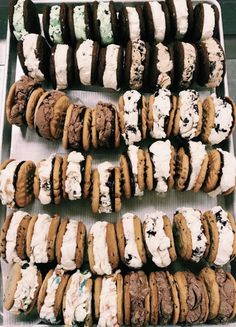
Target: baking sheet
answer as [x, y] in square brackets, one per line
[23, 144]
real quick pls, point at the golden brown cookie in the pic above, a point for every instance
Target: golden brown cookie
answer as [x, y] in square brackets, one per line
[213, 171]
[57, 179]
[182, 169]
[3, 235]
[95, 190]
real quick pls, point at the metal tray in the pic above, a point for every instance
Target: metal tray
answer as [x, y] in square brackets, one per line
[26, 144]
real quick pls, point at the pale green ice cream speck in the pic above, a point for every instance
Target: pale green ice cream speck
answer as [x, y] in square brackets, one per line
[79, 23]
[55, 32]
[104, 16]
[18, 20]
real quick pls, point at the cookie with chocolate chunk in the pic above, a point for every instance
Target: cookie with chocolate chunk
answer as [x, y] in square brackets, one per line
[86, 62]
[164, 301]
[107, 261]
[105, 24]
[193, 298]
[57, 278]
[124, 226]
[21, 101]
[157, 21]
[132, 164]
[221, 288]
[136, 299]
[17, 286]
[61, 66]
[131, 24]
[80, 22]
[50, 237]
[23, 18]
[55, 24]
[207, 15]
[85, 171]
[110, 67]
[105, 126]
[99, 299]
[136, 65]
[74, 232]
[50, 114]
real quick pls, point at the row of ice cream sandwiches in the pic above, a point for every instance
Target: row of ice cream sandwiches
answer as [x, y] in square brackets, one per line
[160, 168]
[138, 66]
[136, 299]
[100, 21]
[194, 236]
[160, 116]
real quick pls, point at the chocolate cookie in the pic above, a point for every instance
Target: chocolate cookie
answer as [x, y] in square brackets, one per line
[34, 55]
[50, 114]
[206, 18]
[136, 64]
[105, 25]
[105, 261]
[86, 62]
[110, 66]
[23, 18]
[130, 241]
[80, 23]
[55, 25]
[23, 285]
[61, 66]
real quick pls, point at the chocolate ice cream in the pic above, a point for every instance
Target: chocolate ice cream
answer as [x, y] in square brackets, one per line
[76, 126]
[105, 123]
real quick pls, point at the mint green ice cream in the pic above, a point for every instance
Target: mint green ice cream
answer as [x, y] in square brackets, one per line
[18, 20]
[55, 32]
[79, 23]
[104, 16]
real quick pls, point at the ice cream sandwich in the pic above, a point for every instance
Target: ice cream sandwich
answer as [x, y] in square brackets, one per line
[158, 237]
[50, 297]
[23, 18]
[181, 16]
[41, 238]
[77, 300]
[157, 21]
[105, 126]
[23, 285]
[105, 25]
[55, 25]
[106, 188]
[222, 229]
[160, 166]
[191, 232]
[221, 173]
[131, 23]
[108, 300]
[219, 118]
[161, 67]
[133, 117]
[110, 66]
[16, 183]
[76, 132]
[188, 118]
[136, 64]
[13, 237]
[102, 236]
[191, 167]
[206, 18]
[212, 62]
[185, 63]
[193, 298]
[132, 164]
[34, 56]
[164, 299]
[86, 62]
[80, 22]
[161, 112]
[221, 288]
[136, 299]
[50, 114]
[22, 100]
[76, 176]
[61, 66]
[130, 241]
[48, 180]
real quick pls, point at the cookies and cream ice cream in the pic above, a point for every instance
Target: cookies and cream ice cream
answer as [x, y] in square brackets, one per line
[44, 173]
[111, 65]
[190, 57]
[105, 171]
[7, 187]
[73, 180]
[133, 156]
[138, 57]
